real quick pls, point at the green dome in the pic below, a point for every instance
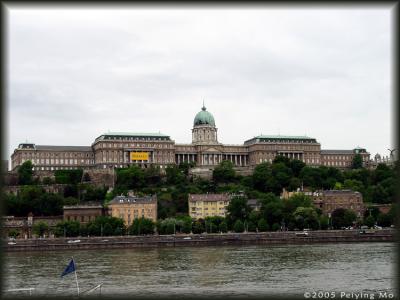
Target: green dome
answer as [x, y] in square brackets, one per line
[204, 118]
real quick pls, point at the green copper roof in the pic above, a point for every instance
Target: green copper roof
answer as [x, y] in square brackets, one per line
[135, 134]
[204, 118]
[293, 137]
[284, 138]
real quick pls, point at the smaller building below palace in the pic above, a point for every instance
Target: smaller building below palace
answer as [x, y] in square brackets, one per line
[83, 213]
[130, 208]
[208, 205]
[330, 200]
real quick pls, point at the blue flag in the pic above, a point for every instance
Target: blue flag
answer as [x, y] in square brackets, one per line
[69, 269]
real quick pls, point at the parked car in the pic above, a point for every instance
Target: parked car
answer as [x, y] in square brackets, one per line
[74, 241]
[304, 233]
[366, 230]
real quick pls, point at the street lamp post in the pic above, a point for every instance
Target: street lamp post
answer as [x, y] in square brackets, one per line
[329, 223]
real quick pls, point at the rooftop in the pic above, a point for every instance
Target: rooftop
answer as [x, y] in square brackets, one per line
[133, 199]
[63, 148]
[83, 206]
[130, 135]
[337, 151]
[209, 197]
[273, 138]
[136, 134]
[332, 192]
[204, 117]
[293, 137]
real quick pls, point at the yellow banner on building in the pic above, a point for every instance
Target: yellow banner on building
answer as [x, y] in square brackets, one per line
[139, 156]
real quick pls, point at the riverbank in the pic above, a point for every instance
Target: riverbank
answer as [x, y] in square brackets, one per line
[265, 238]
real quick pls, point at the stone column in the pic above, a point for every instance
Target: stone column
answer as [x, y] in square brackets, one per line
[240, 160]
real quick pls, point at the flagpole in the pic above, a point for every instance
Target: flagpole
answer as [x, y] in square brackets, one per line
[76, 277]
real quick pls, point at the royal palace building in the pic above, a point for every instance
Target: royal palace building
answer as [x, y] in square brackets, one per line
[121, 149]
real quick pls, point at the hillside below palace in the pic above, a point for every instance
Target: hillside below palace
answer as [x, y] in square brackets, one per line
[122, 149]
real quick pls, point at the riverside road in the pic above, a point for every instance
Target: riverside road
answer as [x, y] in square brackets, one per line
[264, 238]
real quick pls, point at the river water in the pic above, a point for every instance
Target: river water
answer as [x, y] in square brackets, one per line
[208, 271]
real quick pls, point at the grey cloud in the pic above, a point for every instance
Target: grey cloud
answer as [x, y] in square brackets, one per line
[319, 72]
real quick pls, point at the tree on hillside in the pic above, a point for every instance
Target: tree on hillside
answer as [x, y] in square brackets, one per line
[308, 217]
[67, 228]
[369, 221]
[271, 209]
[281, 159]
[263, 179]
[224, 172]
[354, 185]
[152, 175]
[175, 175]
[130, 178]
[296, 166]
[335, 173]
[311, 177]
[238, 209]
[106, 225]
[238, 226]
[142, 226]
[384, 220]
[357, 162]
[282, 175]
[49, 205]
[86, 177]
[342, 217]
[25, 173]
[294, 184]
[291, 204]
[40, 228]
[262, 225]
[186, 166]
[68, 176]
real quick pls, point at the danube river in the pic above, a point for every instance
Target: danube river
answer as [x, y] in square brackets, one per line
[208, 271]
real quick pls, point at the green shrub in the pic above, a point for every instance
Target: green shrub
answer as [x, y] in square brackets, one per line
[262, 225]
[238, 226]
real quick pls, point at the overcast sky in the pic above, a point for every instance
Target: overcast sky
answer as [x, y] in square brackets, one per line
[77, 73]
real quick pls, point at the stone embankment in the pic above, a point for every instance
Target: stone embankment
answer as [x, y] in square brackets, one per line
[265, 238]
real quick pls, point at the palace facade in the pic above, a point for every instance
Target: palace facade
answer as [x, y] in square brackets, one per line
[121, 149]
